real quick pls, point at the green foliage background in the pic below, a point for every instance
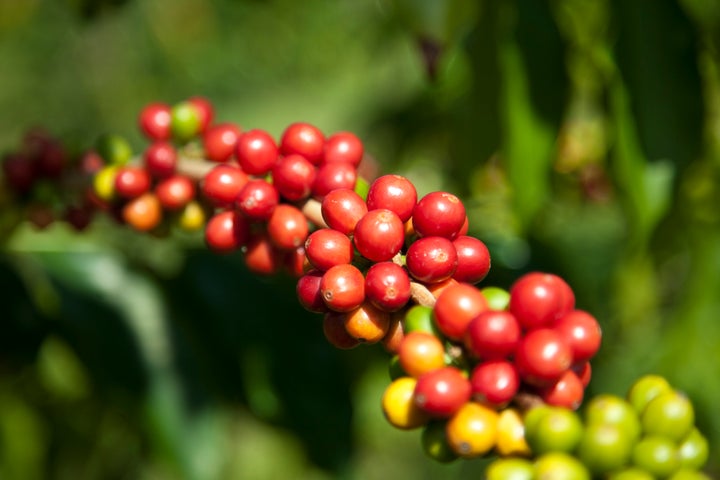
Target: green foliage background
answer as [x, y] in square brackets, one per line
[583, 135]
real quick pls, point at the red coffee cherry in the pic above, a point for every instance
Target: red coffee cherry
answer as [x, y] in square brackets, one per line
[288, 228]
[538, 299]
[331, 176]
[494, 382]
[394, 336]
[442, 392]
[226, 232]
[568, 391]
[19, 172]
[455, 308]
[293, 177]
[79, 216]
[343, 288]
[260, 255]
[295, 262]
[343, 147]
[256, 152]
[51, 160]
[257, 200]
[473, 259]
[582, 332]
[175, 192]
[439, 214]
[542, 357]
[326, 248]
[308, 292]
[584, 372]
[131, 181]
[431, 259]
[154, 121]
[395, 193]
[387, 286]
[379, 235]
[222, 185]
[303, 139]
[160, 159]
[219, 141]
[492, 335]
[335, 333]
[142, 213]
[342, 209]
[205, 111]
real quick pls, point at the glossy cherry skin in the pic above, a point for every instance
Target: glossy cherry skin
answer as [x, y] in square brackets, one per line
[223, 183]
[175, 192]
[539, 299]
[219, 141]
[387, 286]
[379, 235]
[439, 214]
[442, 392]
[393, 192]
[342, 209]
[154, 121]
[326, 248]
[288, 228]
[542, 357]
[303, 139]
[257, 200]
[473, 259]
[343, 147]
[343, 288]
[431, 259]
[160, 159]
[455, 308]
[293, 177]
[256, 152]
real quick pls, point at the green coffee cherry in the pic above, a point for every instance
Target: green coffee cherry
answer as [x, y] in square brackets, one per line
[420, 318]
[184, 121]
[114, 149]
[694, 450]
[645, 389]
[510, 469]
[688, 474]
[434, 443]
[560, 466]
[558, 430]
[669, 414]
[604, 448]
[613, 410]
[631, 473]
[658, 455]
[497, 298]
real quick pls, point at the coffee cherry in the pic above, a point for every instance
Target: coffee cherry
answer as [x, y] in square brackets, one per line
[220, 140]
[327, 247]
[260, 255]
[613, 410]
[387, 286]
[205, 111]
[542, 357]
[287, 226]
[295, 262]
[335, 333]
[293, 177]
[511, 434]
[192, 217]
[331, 176]
[131, 181]
[604, 448]
[438, 214]
[399, 407]
[472, 430]
[539, 299]
[494, 382]
[560, 466]
[19, 172]
[657, 455]
[455, 308]
[79, 216]
[670, 414]
[222, 185]
[431, 259]
[567, 391]
[498, 298]
[473, 259]
[687, 474]
[51, 160]
[492, 335]
[114, 149]
[160, 159]
[694, 450]
[555, 430]
[630, 473]
[256, 152]
[226, 232]
[394, 193]
[175, 192]
[308, 292]
[185, 121]
[143, 213]
[584, 372]
[582, 332]
[154, 121]
[420, 353]
[342, 209]
[303, 139]
[379, 235]
[395, 334]
[343, 288]
[646, 388]
[343, 147]
[442, 392]
[419, 318]
[367, 323]
[510, 469]
[435, 443]
[257, 200]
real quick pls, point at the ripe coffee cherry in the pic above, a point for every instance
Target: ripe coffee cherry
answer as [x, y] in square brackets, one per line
[472, 430]
[420, 353]
[438, 214]
[342, 209]
[308, 292]
[442, 392]
[51, 160]
[131, 181]
[335, 333]
[226, 232]
[367, 323]
[395, 334]
[175, 192]
[205, 111]
[395, 193]
[387, 286]
[327, 247]
[293, 177]
[219, 141]
[331, 176]
[160, 159]
[303, 139]
[343, 147]
[257, 200]
[553, 430]
[670, 415]
[431, 259]
[542, 357]
[582, 332]
[256, 152]
[260, 255]
[343, 288]
[79, 216]
[288, 228]
[492, 335]
[222, 185]
[379, 235]
[539, 299]
[455, 308]
[185, 121]
[567, 392]
[399, 407]
[295, 262]
[154, 121]
[473, 259]
[494, 382]
[19, 172]
[143, 213]
[584, 372]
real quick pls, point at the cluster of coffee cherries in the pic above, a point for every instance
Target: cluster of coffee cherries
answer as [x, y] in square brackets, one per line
[650, 434]
[40, 179]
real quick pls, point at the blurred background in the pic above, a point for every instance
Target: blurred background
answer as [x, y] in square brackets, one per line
[584, 137]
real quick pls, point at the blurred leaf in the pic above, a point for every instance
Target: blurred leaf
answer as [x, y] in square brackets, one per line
[22, 437]
[60, 370]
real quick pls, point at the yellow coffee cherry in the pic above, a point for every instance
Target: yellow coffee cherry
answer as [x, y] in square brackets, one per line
[511, 434]
[473, 430]
[399, 407]
[192, 217]
[104, 183]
